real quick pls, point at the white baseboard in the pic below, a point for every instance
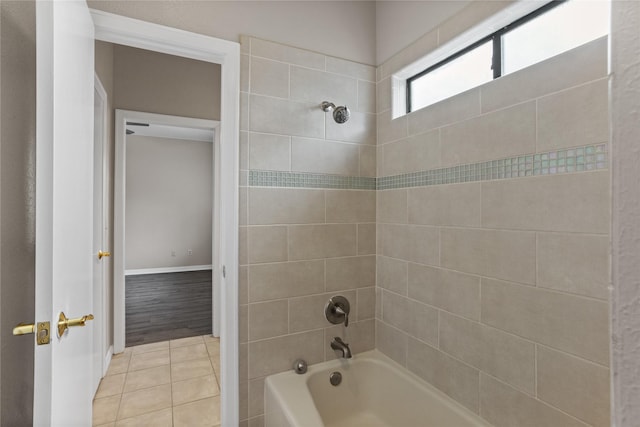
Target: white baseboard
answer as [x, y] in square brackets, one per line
[166, 270]
[107, 360]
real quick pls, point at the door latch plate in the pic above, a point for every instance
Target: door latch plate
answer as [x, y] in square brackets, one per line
[43, 333]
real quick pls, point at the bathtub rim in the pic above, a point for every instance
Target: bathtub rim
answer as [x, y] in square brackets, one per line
[293, 388]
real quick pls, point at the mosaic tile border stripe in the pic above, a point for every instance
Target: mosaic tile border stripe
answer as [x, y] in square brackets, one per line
[590, 157]
[259, 178]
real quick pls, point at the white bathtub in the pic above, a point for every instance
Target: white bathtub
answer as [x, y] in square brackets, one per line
[375, 392]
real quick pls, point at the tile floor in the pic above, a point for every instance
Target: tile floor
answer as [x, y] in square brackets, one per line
[170, 383]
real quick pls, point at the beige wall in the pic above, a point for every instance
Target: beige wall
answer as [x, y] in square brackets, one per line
[165, 84]
[501, 284]
[300, 246]
[417, 18]
[17, 209]
[169, 199]
[344, 29]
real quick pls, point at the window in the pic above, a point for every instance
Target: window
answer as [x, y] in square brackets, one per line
[556, 27]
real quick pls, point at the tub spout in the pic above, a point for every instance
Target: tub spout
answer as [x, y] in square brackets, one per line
[338, 344]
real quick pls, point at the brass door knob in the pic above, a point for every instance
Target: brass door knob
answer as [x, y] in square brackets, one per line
[64, 322]
[103, 254]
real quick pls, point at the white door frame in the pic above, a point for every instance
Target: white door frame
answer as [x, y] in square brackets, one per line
[144, 35]
[101, 311]
[119, 196]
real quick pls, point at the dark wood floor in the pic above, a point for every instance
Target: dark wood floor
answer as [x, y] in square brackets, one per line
[166, 306]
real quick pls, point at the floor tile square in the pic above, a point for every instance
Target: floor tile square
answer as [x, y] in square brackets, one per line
[190, 352]
[190, 369]
[194, 389]
[144, 401]
[105, 410]
[163, 418]
[202, 413]
[146, 378]
[111, 385]
[149, 360]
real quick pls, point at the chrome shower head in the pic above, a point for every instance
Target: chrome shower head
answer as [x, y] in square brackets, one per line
[340, 114]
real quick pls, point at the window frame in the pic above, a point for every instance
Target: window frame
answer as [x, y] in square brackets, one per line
[497, 59]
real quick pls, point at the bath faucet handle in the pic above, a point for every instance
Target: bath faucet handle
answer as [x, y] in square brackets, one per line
[339, 310]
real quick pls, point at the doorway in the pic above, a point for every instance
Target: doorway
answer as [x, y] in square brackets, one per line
[130, 32]
[167, 221]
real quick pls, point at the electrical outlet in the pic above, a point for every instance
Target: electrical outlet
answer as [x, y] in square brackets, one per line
[173, 252]
[189, 252]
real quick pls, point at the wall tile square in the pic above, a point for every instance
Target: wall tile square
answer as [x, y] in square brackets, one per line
[267, 244]
[574, 263]
[392, 342]
[392, 274]
[269, 152]
[351, 206]
[412, 317]
[570, 323]
[571, 202]
[449, 290]
[504, 406]
[268, 319]
[367, 161]
[414, 243]
[508, 255]
[366, 97]
[350, 273]
[503, 133]
[244, 73]
[455, 109]
[269, 78]
[366, 298]
[285, 206]
[284, 117]
[383, 95]
[416, 153]
[576, 386]
[285, 280]
[316, 86]
[366, 239]
[322, 241]
[502, 355]
[455, 204]
[390, 129]
[454, 378]
[351, 69]
[244, 150]
[360, 128]
[392, 206]
[577, 116]
[320, 156]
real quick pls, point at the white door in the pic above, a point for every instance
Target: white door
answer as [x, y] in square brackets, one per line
[64, 209]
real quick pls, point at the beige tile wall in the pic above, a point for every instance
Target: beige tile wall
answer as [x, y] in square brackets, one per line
[299, 247]
[496, 291]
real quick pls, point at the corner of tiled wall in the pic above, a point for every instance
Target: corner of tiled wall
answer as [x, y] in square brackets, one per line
[492, 237]
[307, 210]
